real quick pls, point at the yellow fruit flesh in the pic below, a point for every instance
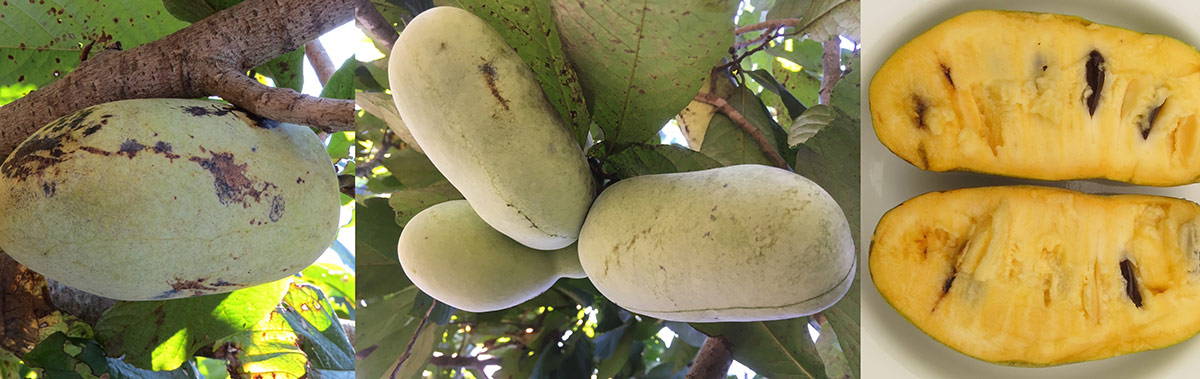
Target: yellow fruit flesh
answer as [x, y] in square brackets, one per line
[1040, 276]
[1042, 96]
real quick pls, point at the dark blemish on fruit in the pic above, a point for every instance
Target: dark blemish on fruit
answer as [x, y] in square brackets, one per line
[1131, 285]
[130, 148]
[92, 130]
[96, 151]
[949, 282]
[25, 161]
[230, 182]
[164, 148]
[1095, 80]
[489, 75]
[276, 208]
[259, 121]
[213, 110]
[1145, 124]
[920, 107]
[48, 188]
[299, 180]
[946, 72]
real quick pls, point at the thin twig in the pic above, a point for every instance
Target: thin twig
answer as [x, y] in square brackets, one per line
[769, 34]
[413, 341]
[713, 360]
[832, 60]
[740, 120]
[375, 25]
[320, 60]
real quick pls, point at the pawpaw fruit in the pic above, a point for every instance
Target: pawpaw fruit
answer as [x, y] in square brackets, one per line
[167, 198]
[737, 243]
[454, 256]
[1042, 96]
[1037, 276]
[479, 114]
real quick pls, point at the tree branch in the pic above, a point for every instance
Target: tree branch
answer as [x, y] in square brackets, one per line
[183, 64]
[831, 60]
[413, 341]
[713, 360]
[319, 58]
[740, 120]
[371, 22]
[286, 104]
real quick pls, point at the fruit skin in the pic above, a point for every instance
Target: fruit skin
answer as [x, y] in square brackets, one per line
[451, 254]
[479, 114]
[1025, 255]
[737, 243]
[166, 198]
[1009, 93]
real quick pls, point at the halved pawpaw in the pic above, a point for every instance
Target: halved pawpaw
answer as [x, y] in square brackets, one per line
[1042, 276]
[1042, 96]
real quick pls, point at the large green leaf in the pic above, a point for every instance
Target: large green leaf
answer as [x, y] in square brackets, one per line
[820, 19]
[376, 236]
[782, 348]
[643, 159]
[528, 26]
[322, 338]
[341, 83]
[843, 317]
[640, 62]
[162, 335]
[41, 41]
[384, 331]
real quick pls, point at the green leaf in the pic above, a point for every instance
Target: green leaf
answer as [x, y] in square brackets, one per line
[286, 70]
[162, 335]
[384, 330]
[809, 123]
[641, 62]
[43, 41]
[412, 169]
[68, 357]
[335, 281]
[376, 236]
[726, 142]
[764, 77]
[821, 19]
[322, 338]
[341, 83]
[780, 348]
[408, 202]
[643, 159]
[843, 318]
[528, 26]
[189, 10]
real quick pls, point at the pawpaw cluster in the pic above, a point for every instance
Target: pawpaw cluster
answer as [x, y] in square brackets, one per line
[166, 198]
[737, 243]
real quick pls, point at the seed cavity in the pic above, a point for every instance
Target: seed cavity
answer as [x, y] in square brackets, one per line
[1131, 284]
[949, 282]
[920, 106]
[1095, 81]
[1146, 123]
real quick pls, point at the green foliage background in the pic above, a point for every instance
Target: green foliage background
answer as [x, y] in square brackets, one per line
[625, 93]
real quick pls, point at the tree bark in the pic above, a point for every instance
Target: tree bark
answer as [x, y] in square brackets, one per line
[196, 62]
[713, 360]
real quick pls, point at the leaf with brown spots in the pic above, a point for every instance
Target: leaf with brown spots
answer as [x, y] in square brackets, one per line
[150, 333]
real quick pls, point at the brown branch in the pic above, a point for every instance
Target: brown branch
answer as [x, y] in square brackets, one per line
[183, 64]
[287, 105]
[832, 62]
[740, 120]
[319, 58]
[371, 22]
[413, 341]
[713, 360]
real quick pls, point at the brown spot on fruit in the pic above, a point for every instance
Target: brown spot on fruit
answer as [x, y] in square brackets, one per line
[946, 72]
[48, 188]
[130, 148]
[164, 148]
[919, 107]
[230, 182]
[213, 110]
[26, 161]
[489, 75]
[277, 207]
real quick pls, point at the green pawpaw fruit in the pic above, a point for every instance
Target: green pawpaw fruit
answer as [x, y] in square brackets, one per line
[477, 111]
[738, 243]
[1042, 96]
[453, 255]
[166, 198]
[1036, 276]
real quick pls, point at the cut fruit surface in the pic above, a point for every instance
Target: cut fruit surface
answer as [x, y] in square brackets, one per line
[1042, 96]
[1042, 276]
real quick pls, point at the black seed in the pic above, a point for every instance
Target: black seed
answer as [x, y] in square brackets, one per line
[1095, 80]
[1148, 122]
[1131, 286]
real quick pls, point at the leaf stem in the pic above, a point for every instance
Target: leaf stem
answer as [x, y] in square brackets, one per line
[740, 120]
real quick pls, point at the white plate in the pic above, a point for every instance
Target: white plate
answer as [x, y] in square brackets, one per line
[891, 346]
